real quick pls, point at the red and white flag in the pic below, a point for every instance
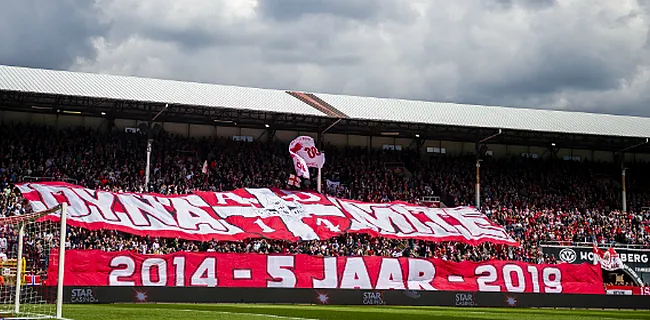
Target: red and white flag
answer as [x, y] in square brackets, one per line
[294, 181]
[305, 148]
[608, 259]
[300, 165]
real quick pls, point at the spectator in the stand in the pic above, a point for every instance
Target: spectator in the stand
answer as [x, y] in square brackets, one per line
[536, 200]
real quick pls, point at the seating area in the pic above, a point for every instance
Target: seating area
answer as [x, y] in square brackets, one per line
[535, 199]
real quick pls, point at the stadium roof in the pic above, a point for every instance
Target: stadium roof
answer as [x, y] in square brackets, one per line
[489, 116]
[138, 98]
[149, 90]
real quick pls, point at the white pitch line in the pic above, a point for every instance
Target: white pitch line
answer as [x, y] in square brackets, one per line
[259, 315]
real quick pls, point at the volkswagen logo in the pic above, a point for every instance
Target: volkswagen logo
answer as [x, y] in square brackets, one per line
[568, 255]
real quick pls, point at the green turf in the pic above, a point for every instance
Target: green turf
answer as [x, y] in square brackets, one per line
[301, 312]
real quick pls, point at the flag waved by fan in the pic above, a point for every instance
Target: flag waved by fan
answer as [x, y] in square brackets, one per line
[305, 155]
[608, 259]
[294, 181]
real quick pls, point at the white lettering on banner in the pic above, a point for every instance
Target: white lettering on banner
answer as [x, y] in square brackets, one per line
[383, 220]
[330, 281]
[535, 277]
[408, 213]
[127, 265]
[76, 208]
[619, 292]
[190, 217]
[421, 274]
[552, 280]
[390, 275]
[301, 197]
[280, 268]
[476, 223]
[101, 201]
[355, 275]
[247, 213]
[645, 291]
[633, 257]
[141, 209]
[486, 274]
[206, 274]
[223, 197]
[365, 273]
[179, 266]
[508, 270]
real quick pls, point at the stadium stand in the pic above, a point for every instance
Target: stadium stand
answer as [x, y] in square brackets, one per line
[537, 200]
[545, 199]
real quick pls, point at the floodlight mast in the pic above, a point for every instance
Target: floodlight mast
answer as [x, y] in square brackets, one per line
[319, 179]
[478, 167]
[623, 173]
[149, 133]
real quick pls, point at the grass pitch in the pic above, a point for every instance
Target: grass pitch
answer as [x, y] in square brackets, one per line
[308, 312]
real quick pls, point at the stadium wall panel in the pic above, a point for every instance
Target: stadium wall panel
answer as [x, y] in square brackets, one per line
[335, 139]
[358, 141]
[285, 136]
[200, 131]
[78, 295]
[228, 132]
[453, 148]
[255, 133]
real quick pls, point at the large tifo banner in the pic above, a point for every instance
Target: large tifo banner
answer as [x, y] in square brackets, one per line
[255, 213]
[183, 269]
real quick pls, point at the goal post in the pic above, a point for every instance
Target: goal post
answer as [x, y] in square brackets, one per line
[34, 245]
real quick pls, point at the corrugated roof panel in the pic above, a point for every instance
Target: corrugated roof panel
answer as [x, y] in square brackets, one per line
[211, 95]
[489, 116]
[150, 90]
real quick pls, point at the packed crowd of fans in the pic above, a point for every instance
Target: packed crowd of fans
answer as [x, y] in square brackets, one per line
[536, 200]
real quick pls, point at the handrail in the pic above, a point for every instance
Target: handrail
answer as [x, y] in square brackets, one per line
[590, 244]
[37, 179]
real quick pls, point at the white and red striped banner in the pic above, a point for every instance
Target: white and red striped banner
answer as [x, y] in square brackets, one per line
[256, 213]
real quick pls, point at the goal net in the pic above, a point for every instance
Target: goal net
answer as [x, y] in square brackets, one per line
[28, 245]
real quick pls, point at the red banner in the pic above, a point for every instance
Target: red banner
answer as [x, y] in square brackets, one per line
[100, 268]
[628, 291]
[255, 213]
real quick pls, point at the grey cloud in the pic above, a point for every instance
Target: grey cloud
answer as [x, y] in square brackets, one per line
[533, 4]
[526, 53]
[357, 9]
[46, 34]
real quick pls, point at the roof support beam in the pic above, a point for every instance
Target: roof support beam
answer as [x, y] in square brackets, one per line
[491, 137]
[633, 147]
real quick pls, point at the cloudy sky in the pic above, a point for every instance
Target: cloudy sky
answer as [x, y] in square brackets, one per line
[585, 55]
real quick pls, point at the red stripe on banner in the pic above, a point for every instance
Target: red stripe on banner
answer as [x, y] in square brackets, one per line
[257, 213]
[100, 268]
